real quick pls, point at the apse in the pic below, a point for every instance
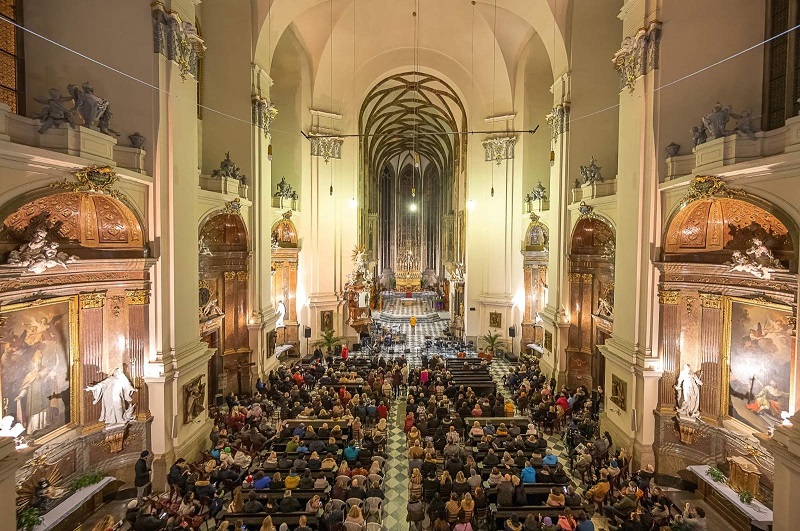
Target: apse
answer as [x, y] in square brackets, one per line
[413, 126]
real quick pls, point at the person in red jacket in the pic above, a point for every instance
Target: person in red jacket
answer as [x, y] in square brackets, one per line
[344, 352]
[383, 411]
[409, 422]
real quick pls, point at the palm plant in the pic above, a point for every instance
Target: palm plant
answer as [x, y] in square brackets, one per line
[492, 341]
[329, 340]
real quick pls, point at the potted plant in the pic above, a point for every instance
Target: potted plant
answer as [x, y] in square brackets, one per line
[329, 340]
[493, 341]
[28, 519]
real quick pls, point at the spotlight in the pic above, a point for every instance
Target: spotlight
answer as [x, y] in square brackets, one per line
[412, 207]
[353, 203]
[269, 152]
[471, 204]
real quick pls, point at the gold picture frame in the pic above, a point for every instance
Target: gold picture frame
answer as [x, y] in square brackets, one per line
[495, 320]
[619, 392]
[548, 341]
[326, 320]
[32, 341]
[756, 330]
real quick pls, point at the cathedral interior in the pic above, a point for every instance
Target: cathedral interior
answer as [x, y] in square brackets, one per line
[508, 264]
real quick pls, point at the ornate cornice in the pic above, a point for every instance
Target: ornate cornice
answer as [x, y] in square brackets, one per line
[499, 148]
[669, 297]
[92, 300]
[177, 40]
[638, 55]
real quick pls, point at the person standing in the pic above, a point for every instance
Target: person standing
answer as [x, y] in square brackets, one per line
[413, 322]
[142, 477]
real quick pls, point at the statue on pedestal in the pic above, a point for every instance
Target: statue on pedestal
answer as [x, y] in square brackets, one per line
[116, 392]
[688, 387]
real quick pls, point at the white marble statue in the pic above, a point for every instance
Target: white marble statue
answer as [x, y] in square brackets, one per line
[281, 312]
[116, 393]
[688, 387]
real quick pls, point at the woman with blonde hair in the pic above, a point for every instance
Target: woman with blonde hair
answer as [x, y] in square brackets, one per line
[266, 525]
[476, 430]
[460, 485]
[415, 484]
[224, 525]
[237, 502]
[106, 524]
[468, 507]
[445, 484]
[354, 515]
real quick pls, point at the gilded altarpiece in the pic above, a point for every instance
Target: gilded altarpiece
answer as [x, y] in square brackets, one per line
[727, 305]
[68, 327]
[285, 254]
[535, 256]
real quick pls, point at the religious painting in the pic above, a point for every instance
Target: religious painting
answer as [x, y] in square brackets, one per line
[495, 320]
[193, 399]
[39, 369]
[326, 320]
[760, 350]
[619, 392]
[548, 341]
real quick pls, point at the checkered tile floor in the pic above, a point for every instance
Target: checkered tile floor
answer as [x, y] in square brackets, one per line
[394, 317]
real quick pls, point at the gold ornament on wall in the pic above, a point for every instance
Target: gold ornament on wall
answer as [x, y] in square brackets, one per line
[137, 297]
[711, 300]
[669, 297]
[92, 300]
[708, 186]
[95, 178]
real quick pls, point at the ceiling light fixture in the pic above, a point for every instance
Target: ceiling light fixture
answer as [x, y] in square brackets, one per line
[412, 207]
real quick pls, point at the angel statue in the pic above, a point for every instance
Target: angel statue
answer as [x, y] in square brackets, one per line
[688, 388]
[54, 113]
[94, 110]
[116, 392]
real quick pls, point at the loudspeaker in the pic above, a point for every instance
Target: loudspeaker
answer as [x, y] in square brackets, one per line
[634, 421]
[307, 332]
[512, 331]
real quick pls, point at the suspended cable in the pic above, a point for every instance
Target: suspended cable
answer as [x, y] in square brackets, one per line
[250, 121]
[494, 73]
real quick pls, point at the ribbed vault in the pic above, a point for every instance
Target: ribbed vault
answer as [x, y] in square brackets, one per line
[412, 112]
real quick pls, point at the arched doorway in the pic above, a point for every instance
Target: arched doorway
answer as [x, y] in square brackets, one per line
[223, 293]
[591, 283]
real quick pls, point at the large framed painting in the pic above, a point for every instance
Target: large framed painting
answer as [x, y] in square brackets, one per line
[39, 365]
[759, 383]
[495, 320]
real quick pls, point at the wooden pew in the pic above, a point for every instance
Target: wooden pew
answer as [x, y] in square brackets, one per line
[522, 422]
[253, 521]
[501, 514]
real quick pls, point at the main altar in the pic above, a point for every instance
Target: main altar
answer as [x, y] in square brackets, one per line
[409, 274]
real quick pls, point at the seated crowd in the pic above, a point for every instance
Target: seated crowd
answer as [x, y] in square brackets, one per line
[319, 467]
